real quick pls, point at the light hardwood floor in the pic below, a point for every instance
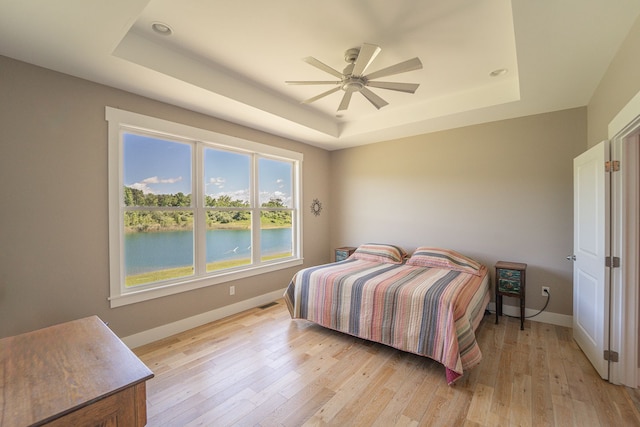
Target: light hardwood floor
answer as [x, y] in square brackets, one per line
[260, 368]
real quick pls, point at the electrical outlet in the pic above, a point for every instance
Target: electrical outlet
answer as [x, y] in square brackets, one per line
[232, 290]
[545, 291]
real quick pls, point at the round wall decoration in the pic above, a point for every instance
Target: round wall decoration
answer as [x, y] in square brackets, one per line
[316, 207]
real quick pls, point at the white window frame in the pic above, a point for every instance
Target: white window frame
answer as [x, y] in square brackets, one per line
[120, 121]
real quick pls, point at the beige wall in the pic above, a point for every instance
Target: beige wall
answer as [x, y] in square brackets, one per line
[53, 221]
[617, 87]
[497, 191]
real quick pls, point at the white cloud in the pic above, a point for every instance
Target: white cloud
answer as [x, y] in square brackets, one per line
[266, 196]
[142, 187]
[218, 182]
[156, 180]
[242, 195]
[145, 184]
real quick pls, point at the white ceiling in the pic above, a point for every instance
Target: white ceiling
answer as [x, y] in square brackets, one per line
[230, 59]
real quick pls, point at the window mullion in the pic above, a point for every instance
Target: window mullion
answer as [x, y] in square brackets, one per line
[296, 217]
[200, 221]
[255, 211]
[121, 212]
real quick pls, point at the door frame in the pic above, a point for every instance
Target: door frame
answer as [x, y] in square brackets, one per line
[624, 133]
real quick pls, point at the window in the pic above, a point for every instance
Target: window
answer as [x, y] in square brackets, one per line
[190, 208]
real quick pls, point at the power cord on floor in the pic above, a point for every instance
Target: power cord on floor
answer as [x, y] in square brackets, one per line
[527, 317]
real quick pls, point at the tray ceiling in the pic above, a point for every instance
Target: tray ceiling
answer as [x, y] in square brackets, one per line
[230, 59]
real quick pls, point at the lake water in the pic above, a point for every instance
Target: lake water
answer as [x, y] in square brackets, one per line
[146, 252]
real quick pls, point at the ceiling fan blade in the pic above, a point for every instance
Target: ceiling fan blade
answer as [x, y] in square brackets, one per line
[312, 82]
[373, 98]
[322, 95]
[367, 54]
[324, 67]
[400, 87]
[402, 67]
[344, 104]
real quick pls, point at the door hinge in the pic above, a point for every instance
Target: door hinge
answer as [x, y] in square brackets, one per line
[611, 356]
[612, 166]
[612, 261]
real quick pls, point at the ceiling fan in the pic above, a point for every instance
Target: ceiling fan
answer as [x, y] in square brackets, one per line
[353, 79]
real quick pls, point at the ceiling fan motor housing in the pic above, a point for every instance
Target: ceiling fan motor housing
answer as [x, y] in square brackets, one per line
[354, 84]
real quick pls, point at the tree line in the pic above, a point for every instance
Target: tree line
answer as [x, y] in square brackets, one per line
[140, 221]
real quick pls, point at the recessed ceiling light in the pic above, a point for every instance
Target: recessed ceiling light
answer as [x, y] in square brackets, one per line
[498, 72]
[161, 28]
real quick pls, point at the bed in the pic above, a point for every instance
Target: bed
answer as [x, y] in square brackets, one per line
[429, 304]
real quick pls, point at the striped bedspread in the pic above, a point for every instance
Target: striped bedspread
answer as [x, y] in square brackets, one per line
[432, 312]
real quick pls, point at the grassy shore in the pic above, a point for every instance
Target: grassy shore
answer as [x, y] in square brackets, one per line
[173, 273]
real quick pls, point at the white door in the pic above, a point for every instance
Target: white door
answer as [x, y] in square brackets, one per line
[591, 245]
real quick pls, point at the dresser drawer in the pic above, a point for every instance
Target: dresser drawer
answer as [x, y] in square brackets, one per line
[509, 280]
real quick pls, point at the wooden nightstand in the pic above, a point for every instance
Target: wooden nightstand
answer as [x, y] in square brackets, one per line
[344, 252]
[510, 281]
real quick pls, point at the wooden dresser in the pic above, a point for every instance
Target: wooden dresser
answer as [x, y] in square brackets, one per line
[73, 374]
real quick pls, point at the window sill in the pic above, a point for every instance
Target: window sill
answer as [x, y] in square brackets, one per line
[136, 296]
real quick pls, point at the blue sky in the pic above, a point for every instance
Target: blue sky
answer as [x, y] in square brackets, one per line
[156, 166]
[164, 167]
[275, 180]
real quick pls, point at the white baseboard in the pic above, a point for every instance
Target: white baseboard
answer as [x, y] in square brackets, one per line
[160, 332]
[155, 334]
[544, 317]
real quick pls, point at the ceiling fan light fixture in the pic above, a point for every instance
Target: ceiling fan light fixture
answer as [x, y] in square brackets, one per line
[162, 28]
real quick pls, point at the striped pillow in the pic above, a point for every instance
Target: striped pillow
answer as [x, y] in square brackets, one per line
[376, 252]
[444, 258]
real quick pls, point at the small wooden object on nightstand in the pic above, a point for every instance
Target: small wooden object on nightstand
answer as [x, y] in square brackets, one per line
[510, 281]
[344, 252]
